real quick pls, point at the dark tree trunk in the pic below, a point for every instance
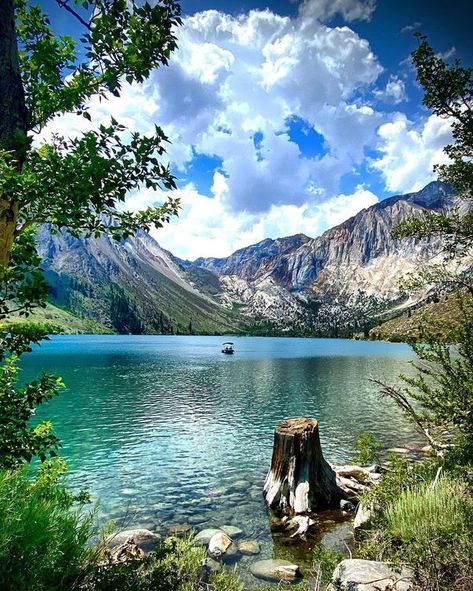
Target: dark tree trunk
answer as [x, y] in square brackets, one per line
[13, 120]
[300, 480]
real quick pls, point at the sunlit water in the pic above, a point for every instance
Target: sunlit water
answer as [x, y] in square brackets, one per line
[155, 427]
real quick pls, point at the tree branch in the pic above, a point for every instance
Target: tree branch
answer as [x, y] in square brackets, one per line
[64, 4]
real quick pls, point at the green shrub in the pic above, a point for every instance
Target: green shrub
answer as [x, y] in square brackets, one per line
[430, 527]
[43, 538]
[174, 565]
[367, 449]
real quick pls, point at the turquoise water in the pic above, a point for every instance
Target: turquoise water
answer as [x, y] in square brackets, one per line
[165, 430]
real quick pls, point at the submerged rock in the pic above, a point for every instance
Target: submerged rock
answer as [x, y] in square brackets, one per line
[249, 547]
[275, 570]
[232, 531]
[368, 575]
[145, 539]
[179, 529]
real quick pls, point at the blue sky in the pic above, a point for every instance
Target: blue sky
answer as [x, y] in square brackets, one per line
[289, 116]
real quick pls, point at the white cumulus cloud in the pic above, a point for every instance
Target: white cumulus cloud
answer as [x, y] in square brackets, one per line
[409, 152]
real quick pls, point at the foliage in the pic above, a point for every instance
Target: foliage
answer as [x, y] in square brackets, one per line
[439, 397]
[428, 525]
[367, 449]
[79, 183]
[449, 93]
[19, 442]
[325, 562]
[43, 534]
[174, 565]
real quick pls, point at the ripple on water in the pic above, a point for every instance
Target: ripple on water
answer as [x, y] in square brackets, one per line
[153, 426]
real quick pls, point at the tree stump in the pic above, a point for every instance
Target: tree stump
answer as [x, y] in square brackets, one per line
[299, 480]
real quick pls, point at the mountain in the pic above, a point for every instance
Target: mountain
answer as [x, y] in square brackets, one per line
[129, 286]
[332, 284]
[300, 282]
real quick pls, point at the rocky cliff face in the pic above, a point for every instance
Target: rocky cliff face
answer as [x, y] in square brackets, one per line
[316, 285]
[130, 286]
[291, 281]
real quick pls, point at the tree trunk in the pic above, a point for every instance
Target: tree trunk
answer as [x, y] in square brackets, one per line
[300, 480]
[13, 120]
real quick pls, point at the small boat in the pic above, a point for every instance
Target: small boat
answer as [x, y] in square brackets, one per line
[228, 349]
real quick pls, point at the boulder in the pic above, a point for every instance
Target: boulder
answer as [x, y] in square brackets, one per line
[222, 547]
[275, 570]
[203, 537]
[143, 538]
[368, 575]
[249, 547]
[232, 531]
[362, 517]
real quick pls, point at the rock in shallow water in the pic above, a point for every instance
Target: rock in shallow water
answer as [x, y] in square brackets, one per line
[143, 538]
[249, 547]
[232, 531]
[179, 529]
[275, 570]
[203, 538]
[221, 547]
[368, 575]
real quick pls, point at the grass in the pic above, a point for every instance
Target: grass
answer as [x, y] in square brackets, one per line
[43, 538]
[425, 524]
[428, 511]
[59, 321]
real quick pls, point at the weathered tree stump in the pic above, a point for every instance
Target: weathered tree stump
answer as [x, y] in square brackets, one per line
[300, 480]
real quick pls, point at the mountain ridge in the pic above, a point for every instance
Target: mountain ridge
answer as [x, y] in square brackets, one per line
[294, 284]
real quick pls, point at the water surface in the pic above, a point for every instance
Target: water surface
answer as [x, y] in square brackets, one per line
[167, 430]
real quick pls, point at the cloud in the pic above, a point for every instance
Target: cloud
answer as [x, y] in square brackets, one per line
[394, 92]
[205, 229]
[233, 77]
[409, 152]
[350, 10]
[413, 27]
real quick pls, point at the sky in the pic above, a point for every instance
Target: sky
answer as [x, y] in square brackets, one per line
[286, 116]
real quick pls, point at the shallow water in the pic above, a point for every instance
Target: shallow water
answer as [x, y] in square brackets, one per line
[155, 427]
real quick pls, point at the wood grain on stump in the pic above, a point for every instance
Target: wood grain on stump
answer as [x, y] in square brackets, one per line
[299, 480]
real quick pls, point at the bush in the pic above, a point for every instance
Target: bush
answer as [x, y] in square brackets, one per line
[430, 527]
[43, 538]
[367, 449]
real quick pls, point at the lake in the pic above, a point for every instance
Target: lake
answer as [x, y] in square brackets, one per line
[167, 430]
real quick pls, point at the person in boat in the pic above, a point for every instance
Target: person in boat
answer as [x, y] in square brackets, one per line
[227, 348]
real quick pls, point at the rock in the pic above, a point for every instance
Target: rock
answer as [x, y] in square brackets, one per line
[362, 517]
[302, 523]
[143, 538]
[249, 547]
[196, 519]
[179, 529]
[222, 546]
[356, 472]
[124, 552]
[232, 531]
[347, 506]
[239, 486]
[203, 538]
[275, 570]
[213, 565]
[398, 450]
[368, 575]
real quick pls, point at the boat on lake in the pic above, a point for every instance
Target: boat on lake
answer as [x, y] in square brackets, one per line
[228, 349]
